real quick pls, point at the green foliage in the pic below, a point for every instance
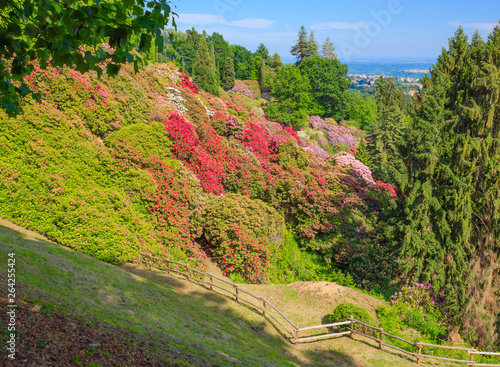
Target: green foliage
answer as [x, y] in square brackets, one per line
[228, 75]
[243, 61]
[328, 49]
[388, 132]
[263, 52]
[362, 110]
[291, 155]
[240, 224]
[449, 221]
[204, 73]
[363, 155]
[345, 310]
[151, 140]
[329, 84]
[53, 33]
[293, 101]
[302, 48]
[76, 183]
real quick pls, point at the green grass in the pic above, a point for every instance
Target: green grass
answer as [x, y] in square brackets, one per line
[205, 329]
[181, 319]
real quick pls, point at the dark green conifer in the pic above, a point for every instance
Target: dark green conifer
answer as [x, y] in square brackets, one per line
[450, 227]
[204, 69]
[388, 131]
[301, 49]
[228, 76]
[363, 155]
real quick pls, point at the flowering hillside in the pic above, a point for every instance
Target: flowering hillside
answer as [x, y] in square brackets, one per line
[150, 162]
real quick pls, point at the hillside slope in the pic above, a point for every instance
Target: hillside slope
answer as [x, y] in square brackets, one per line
[167, 319]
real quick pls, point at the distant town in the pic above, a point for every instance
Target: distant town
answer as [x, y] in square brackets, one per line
[366, 83]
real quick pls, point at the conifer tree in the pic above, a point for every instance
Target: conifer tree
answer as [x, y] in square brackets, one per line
[213, 63]
[363, 155]
[301, 49]
[388, 131]
[263, 52]
[450, 227]
[228, 76]
[328, 49]
[313, 46]
[275, 61]
[262, 76]
[204, 68]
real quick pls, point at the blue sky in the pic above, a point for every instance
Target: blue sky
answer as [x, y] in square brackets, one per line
[360, 29]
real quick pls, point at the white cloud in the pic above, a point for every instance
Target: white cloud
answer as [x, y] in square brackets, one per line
[485, 27]
[204, 19]
[339, 25]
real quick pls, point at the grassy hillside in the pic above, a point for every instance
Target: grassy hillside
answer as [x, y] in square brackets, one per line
[167, 320]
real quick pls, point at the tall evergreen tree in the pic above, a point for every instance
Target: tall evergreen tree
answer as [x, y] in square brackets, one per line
[313, 46]
[262, 77]
[263, 52]
[214, 64]
[228, 74]
[301, 49]
[204, 69]
[388, 131]
[450, 227]
[275, 61]
[328, 49]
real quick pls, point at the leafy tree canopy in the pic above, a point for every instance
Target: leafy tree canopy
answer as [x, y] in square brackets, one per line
[329, 83]
[73, 33]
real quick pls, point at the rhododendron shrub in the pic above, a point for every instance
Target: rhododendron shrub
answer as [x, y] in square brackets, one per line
[257, 139]
[186, 146]
[347, 160]
[242, 232]
[167, 198]
[239, 87]
[188, 84]
[238, 252]
[79, 95]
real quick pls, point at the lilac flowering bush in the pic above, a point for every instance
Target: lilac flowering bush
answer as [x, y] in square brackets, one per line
[344, 159]
[244, 89]
[420, 308]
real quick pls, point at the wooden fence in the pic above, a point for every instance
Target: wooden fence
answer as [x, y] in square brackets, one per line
[291, 329]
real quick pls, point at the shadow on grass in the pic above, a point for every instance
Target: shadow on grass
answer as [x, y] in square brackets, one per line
[167, 313]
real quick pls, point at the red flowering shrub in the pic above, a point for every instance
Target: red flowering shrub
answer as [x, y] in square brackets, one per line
[188, 84]
[256, 138]
[167, 198]
[187, 147]
[292, 132]
[393, 191]
[238, 252]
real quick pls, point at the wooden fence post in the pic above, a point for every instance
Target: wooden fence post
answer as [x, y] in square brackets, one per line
[187, 272]
[351, 319]
[419, 353]
[264, 308]
[381, 335]
[297, 334]
[472, 359]
[211, 282]
[236, 289]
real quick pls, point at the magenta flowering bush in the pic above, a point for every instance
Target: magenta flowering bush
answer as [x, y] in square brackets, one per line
[420, 308]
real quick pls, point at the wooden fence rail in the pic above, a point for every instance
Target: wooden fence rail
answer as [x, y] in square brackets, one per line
[281, 319]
